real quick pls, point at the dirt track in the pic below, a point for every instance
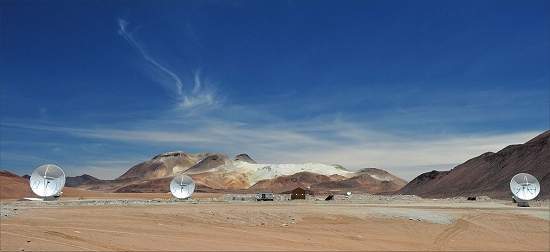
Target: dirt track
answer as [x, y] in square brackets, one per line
[278, 226]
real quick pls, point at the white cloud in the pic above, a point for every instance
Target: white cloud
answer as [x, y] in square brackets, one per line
[199, 96]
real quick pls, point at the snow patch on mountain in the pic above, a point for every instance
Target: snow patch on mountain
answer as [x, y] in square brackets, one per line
[257, 172]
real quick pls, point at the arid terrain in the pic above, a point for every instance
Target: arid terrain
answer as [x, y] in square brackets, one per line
[137, 212]
[208, 222]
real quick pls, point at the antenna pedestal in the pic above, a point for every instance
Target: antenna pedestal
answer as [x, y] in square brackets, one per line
[180, 199]
[520, 202]
[523, 204]
[51, 198]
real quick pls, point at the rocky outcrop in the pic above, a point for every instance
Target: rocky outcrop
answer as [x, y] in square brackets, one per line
[244, 158]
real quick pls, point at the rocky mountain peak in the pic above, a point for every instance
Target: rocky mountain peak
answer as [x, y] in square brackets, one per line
[245, 158]
[170, 154]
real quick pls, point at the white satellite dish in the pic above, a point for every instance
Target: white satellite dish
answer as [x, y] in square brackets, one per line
[348, 194]
[182, 186]
[47, 180]
[525, 187]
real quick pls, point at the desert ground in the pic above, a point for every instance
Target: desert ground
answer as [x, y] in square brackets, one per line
[211, 222]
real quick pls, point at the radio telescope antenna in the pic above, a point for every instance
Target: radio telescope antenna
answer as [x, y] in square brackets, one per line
[182, 186]
[525, 187]
[47, 181]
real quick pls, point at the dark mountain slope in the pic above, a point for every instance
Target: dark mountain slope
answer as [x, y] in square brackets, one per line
[490, 173]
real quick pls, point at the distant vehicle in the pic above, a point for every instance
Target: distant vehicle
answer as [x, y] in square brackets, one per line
[264, 196]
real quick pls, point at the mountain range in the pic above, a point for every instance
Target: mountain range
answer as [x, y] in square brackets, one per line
[217, 172]
[488, 174]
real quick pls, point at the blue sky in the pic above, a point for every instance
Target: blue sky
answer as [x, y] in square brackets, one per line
[407, 86]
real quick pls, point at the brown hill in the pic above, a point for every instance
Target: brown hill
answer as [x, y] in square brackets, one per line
[490, 173]
[161, 185]
[222, 181]
[209, 162]
[287, 183]
[13, 186]
[80, 180]
[369, 180]
[147, 186]
[163, 165]
[383, 175]
[159, 169]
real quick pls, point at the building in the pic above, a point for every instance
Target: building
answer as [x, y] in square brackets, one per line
[299, 193]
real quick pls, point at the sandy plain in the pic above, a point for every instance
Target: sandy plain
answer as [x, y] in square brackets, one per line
[142, 222]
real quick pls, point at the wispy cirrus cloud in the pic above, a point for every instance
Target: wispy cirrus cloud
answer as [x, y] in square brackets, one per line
[197, 95]
[201, 95]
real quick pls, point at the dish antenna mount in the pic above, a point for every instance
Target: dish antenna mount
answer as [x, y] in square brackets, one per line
[47, 181]
[182, 186]
[525, 187]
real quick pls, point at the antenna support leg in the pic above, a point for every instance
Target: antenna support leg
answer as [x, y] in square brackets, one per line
[523, 204]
